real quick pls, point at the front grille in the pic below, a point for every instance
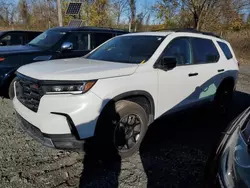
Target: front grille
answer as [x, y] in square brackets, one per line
[28, 92]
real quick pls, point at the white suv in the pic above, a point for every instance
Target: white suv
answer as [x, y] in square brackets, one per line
[117, 90]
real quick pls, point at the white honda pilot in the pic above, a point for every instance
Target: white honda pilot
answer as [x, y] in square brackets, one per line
[116, 91]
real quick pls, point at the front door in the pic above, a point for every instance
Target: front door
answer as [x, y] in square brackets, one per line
[81, 45]
[177, 86]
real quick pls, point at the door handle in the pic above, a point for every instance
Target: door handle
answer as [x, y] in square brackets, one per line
[193, 74]
[221, 70]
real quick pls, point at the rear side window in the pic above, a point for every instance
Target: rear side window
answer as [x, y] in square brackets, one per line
[13, 39]
[31, 36]
[99, 38]
[204, 51]
[225, 50]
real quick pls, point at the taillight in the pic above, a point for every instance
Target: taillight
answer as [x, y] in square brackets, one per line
[2, 59]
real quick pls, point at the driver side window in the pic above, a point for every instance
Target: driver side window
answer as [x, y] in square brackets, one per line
[179, 48]
[80, 40]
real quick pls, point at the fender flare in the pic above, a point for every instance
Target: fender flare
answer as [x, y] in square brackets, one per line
[135, 93]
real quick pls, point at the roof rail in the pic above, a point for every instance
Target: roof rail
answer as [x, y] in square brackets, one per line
[191, 30]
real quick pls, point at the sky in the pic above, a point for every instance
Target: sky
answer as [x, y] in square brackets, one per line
[141, 5]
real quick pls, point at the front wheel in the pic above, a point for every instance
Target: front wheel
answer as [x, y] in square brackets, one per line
[128, 123]
[11, 93]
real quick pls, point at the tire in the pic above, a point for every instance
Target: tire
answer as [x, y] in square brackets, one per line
[223, 98]
[112, 130]
[11, 93]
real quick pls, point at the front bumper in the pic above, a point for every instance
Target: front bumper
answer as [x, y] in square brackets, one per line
[64, 114]
[63, 141]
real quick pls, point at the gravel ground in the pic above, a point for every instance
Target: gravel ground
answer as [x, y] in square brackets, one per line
[173, 153]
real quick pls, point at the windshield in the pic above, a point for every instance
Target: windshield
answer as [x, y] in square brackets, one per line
[47, 39]
[127, 49]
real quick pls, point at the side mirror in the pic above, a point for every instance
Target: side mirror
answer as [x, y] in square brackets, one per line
[67, 46]
[3, 43]
[168, 63]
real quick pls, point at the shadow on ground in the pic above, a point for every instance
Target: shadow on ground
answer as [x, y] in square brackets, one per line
[174, 151]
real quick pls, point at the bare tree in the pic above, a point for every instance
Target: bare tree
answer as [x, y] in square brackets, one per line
[7, 12]
[24, 11]
[119, 7]
[199, 9]
[132, 17]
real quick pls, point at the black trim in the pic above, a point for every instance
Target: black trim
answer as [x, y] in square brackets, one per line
[138, 93]
[193, 74]
[88, 29]
[221, 70]
[71, 124]
[52, 82]
[59, 141]
[191, 30]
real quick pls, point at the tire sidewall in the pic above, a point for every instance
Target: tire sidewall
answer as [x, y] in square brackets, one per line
[11, 93]
[133, 108]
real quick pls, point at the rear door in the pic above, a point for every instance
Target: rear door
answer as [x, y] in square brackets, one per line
[209, 67]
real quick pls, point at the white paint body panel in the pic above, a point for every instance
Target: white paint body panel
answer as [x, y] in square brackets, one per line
[83, 110]
[171, 90]
[76, 69]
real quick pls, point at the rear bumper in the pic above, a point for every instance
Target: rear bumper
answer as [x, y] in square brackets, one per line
[60, 141]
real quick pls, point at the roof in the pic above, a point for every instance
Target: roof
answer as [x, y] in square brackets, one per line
[150, 33]
[86, 28]
[20, 31]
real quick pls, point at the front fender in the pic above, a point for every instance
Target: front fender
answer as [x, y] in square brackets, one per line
[6, 75]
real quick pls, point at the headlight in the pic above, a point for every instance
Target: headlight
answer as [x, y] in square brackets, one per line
[235, 159]
[66, 88]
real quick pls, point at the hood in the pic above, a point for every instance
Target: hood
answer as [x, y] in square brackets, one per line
[18, 49]
[76, 69]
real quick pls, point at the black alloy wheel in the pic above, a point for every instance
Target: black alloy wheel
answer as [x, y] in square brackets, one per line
[127, 132]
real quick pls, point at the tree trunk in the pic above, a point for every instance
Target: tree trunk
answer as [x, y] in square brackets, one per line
[118, 18]
[196, 20]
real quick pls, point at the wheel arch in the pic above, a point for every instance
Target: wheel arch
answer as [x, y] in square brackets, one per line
[6, 81]
[131, 96]
[228, 80]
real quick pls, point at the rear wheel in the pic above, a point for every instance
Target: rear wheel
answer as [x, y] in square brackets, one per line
[127, 129]
[223, 98]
